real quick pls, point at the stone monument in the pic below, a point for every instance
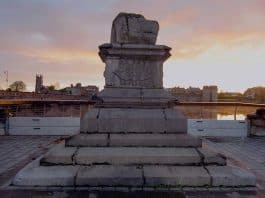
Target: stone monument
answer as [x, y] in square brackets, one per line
[134, 99]
[133, 137]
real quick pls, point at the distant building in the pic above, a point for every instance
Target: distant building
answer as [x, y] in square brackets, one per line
[230, 97]
[209, 94]
[77, 90]
[194, 94]
[80, 90]
[39, 83]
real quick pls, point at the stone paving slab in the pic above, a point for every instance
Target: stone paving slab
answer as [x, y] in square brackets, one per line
[18, 151]
[155, 140]
[109, 176]
[46, 176]
[248, 153]
[176, 176]
[136, 155]
[59, 155]
[210, 157]
[88, 140]
[230, 176]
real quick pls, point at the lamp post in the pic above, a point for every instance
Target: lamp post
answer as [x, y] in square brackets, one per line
[6, 73]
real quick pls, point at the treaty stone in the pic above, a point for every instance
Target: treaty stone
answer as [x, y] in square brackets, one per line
[133, 29]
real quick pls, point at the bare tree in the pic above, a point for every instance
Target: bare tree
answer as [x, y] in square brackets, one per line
[18, 86]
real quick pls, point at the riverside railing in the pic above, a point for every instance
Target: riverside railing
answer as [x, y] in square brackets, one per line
[62, 117]
[76, 108]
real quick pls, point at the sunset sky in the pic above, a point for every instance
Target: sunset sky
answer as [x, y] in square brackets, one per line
[219, 42]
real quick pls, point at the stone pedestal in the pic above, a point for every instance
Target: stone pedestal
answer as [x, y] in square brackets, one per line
[134, 99]
[133, 137]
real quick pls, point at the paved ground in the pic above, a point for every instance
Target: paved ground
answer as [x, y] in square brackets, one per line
[248, 154]
[17, 151]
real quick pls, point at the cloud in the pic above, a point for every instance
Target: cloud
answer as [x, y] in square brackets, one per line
[54, 34]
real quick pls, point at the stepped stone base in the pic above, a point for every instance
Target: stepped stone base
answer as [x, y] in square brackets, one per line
[134, 176]
[119, 166]
[131, 156]
[133, 140]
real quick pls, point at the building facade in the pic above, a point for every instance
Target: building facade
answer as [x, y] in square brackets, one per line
[194, 94]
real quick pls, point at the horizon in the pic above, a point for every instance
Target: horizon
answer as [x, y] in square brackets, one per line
[213, 42]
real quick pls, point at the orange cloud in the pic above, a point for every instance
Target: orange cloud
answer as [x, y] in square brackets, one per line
[179, 17]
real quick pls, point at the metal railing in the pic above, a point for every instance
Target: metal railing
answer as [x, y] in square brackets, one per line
[75, 108]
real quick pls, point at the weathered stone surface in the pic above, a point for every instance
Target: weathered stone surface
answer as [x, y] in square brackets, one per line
[133, 28]
[131, 120]
[88, 140]
[89, 121]
[176, 176]
[136, 97]
[128, 66]
[175, 121]
[109, 176]
[46, 176]
[137, 155]
[155, 140]
[211, 157]
[231, 176]
[59, 155]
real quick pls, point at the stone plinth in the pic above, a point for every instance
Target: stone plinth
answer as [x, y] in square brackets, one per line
[133, 120]
[134, 73]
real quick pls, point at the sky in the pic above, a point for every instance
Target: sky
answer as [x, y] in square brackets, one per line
[214, 42]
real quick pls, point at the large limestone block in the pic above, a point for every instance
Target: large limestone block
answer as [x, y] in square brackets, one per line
[89, 121]
[210, 157]
[82, 140]
[136, 155]
[231, 176]
[176, 176]
[131, 120]
[175, 121]
[120, 94]
[133, 28]
[109, 176]
[59, 155]
[155, 140]
[46, 176]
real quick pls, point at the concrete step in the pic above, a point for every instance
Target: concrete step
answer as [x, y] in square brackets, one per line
[130, 140]
[225, 176]
[137, 155]
[134, 176]
[130, 156]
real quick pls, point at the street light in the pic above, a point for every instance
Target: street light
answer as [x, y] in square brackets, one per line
[6, 73]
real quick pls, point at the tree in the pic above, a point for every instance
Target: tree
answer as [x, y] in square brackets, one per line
[18, 86]
[51, 87]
